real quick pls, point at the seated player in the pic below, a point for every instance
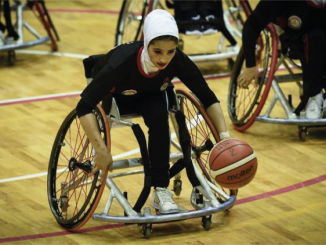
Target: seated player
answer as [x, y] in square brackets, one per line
[304, 38]
[137, 75]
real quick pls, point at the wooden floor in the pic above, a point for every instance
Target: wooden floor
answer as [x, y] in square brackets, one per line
[284, 204]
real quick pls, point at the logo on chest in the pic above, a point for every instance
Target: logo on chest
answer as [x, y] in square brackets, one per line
[165, 84]
[129, 92]
[294, 22]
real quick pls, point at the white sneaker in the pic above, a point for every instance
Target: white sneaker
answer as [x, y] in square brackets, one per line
[162, 201]
[314, 106]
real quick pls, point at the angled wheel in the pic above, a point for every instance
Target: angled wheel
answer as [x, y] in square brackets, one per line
[202, 132]
[131, 20]
[73, 192]
[40, 11]
[244, 105]
[239, 11]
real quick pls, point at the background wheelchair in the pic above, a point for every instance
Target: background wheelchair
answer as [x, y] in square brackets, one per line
[132, 15]
[245, 106]
[74, 193]
[33, 37]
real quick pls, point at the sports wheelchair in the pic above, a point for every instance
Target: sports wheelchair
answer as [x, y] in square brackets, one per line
[40, 11]
[245, 106]
[133, 12]
[74, 193]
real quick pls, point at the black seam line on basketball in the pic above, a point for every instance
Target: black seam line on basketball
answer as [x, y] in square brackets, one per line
[233, 168]
[229, 148]
[239, 180]
[236, 162]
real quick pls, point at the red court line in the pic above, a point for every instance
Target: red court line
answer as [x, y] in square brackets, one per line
[60, 233]
[35, 99]
[282, 190]
[72, 95]
[113, 226]
[85, 11]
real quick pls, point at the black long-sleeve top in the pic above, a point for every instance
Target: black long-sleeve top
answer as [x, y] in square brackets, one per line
[280, 13]
[120, 72]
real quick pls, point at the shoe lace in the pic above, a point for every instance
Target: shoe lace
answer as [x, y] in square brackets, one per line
[165, 196]
[312, 104]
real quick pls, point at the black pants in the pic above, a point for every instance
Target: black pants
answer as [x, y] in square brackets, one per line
[7, 14]
[313, 62]
[184, 10]
[154, 110]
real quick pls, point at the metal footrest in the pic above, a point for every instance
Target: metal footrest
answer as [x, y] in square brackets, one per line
[15, 46]
[148, 218]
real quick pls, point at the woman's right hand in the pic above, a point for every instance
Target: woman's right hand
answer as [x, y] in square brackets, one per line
[103, 161]
[248, 75]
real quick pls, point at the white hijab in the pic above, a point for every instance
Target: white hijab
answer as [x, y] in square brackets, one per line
[157, 23]
[318, 2]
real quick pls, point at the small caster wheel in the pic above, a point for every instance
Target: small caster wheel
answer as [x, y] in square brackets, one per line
[147, 230]
[11, 57]
[177, 187]
[206, 222]
[303, 132]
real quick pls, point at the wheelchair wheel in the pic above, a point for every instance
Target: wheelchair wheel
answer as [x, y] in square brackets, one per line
[72, 192]
[41, 12]
[239, 11]
[244, 105]
[131, 20]
[202, 132]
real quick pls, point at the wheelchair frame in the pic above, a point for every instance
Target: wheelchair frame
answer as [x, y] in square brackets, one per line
[42, 14]
[213, 198]
[130, 14]
[268, 79]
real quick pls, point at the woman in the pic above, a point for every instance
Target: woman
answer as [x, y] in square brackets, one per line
[137, 75]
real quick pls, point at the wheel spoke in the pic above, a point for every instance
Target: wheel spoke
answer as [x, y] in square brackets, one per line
[199, 128]
[73, 193]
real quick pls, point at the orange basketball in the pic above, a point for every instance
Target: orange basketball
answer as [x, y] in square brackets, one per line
[233, 163]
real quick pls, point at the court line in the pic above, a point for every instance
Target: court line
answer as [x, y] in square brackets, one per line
[58, 54]
[40, 98]
[31, 176]
[113, 226]
[85, 11]
[77, 93]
